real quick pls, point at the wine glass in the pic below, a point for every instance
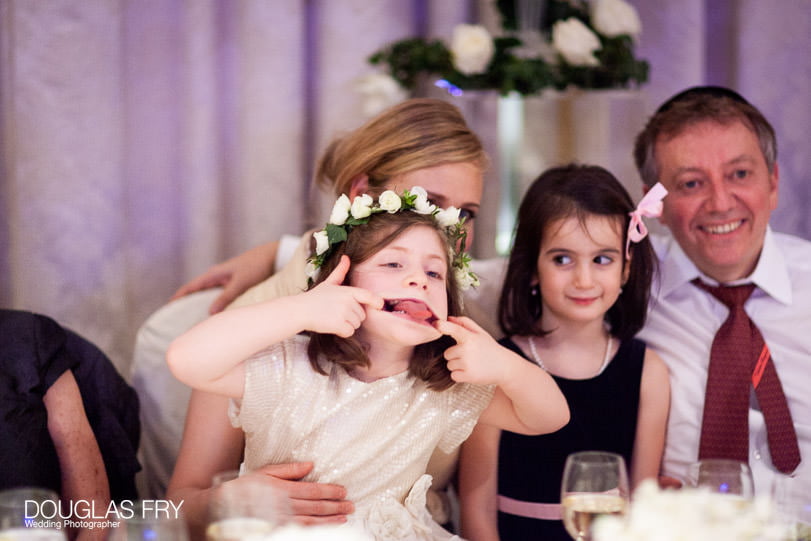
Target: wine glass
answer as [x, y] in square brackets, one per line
[147, 523]
[245, 506]
[30, 513]
[792, 500]
[594, 483]
[723, 476]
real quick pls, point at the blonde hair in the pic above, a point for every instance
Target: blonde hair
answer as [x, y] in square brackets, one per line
[415, 134]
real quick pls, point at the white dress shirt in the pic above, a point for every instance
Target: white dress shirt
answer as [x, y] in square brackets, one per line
[681, 326]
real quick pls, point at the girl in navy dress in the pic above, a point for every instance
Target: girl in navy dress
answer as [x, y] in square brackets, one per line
[575, 294]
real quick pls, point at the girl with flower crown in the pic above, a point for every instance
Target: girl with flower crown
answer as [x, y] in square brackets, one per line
[419, 142]
[575, 294]
[373, 367]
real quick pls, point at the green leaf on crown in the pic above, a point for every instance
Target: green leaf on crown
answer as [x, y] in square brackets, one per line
[335, 234]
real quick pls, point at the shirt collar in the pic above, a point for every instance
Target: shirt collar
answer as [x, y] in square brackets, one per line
[770, 275]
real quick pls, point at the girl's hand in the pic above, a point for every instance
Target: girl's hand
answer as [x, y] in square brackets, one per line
[475, 357]
[333, 308]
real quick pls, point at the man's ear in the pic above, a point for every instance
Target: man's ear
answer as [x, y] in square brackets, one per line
[774, 180]
[359, 186]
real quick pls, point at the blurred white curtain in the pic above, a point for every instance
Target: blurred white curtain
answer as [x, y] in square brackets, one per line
[143, 140]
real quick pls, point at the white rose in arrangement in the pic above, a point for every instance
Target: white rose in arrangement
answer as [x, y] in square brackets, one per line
[379, 91]
[575, 42]
[614, 18]
[321, 242]
[362, 206]
[471, 48]
[421, 203]
[340, 210]
[447, 217]
[689, 513]
[389, 201]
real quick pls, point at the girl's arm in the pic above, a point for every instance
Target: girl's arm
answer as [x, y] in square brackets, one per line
[527, 400]
[209, 356]
[654, 404]
[478, 484]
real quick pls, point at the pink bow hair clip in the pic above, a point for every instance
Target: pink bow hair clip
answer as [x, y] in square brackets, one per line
[649, 206]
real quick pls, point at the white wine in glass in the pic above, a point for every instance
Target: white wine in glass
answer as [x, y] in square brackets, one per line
[594, 483]
[245, 508]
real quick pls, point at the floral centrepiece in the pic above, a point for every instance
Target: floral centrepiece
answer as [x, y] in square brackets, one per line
[691, 514]
[584, 44]
[346, 215]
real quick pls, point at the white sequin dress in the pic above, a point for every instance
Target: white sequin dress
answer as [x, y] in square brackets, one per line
[373, 438]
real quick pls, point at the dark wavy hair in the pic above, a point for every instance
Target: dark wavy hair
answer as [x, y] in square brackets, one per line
[562, 192]
[428, 362]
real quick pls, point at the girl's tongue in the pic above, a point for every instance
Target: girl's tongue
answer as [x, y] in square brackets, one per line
[414, 309]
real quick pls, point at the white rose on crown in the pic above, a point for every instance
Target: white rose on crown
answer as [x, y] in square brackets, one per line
[361, 206]
[389, 201]
[465, 278]
[421, 203]
[447, 217]
[340, 210]
[321, 242]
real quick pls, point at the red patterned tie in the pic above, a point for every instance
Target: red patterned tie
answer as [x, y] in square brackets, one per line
[740, 357]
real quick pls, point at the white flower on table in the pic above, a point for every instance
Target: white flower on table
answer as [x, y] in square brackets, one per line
[379, 91]
[340, 210]
[689, 513]
[321, 242]
[361, 206]
[389, 201]
[472, 48]
[614, 18]
[575, 42]
[421, 203]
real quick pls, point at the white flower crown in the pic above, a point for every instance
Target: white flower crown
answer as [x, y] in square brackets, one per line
[346, 215]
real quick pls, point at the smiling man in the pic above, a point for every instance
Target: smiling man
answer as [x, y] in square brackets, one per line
[716, 155]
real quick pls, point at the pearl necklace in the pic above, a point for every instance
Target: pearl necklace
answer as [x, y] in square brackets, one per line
[539, 362]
